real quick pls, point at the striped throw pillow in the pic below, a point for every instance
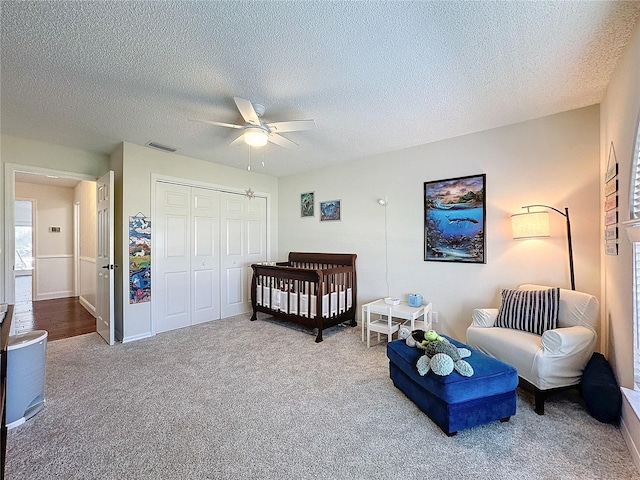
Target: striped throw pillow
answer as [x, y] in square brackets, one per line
[533, 311]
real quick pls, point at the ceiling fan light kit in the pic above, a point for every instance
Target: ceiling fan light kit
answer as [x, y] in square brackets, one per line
[256, 132]
[255, 137]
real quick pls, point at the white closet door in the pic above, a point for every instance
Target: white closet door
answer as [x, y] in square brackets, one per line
[172, 231]
[232, 265]
[205, 268]
[256, 234]
[205, 243]
[243, 242]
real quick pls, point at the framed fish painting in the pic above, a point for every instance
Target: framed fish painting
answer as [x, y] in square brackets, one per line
[454, 220]
[330, 210]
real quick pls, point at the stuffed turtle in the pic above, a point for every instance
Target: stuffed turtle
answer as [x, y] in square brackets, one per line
[419, 338]
[443, 357]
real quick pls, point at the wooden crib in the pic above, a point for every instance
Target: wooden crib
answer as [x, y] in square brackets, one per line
[306, 284]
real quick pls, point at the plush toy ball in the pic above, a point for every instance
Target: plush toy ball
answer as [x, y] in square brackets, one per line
[441, 364]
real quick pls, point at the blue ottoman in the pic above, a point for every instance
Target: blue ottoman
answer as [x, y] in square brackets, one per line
[455, 402]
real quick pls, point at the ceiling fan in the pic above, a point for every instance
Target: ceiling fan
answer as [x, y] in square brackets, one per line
[256, 132]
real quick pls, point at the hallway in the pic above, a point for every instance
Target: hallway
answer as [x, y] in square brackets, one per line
[61, 317]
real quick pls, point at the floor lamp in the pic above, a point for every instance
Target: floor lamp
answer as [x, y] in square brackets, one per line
[536, 225]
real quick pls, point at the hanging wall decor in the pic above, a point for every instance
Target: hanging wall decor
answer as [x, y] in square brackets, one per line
[307, 204]
[611, 203]
[139, 259]
[454, 220]
[330, 210]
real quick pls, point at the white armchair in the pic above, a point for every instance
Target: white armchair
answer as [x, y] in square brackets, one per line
[548, 362]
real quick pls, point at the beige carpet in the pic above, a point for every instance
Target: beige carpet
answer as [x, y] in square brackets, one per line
[234, 399]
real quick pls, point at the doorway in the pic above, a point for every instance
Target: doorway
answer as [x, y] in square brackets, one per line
[24, 256]
[43, 280]
[62, 317]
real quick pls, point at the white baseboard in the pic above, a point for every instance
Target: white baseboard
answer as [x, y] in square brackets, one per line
[137, 337]
[54, 295]
[88, 307]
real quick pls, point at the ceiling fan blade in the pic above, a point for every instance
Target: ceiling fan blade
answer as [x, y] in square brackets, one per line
[281, 141]
[292, 126]
[219, 124]
[247, 111]
[238, 140]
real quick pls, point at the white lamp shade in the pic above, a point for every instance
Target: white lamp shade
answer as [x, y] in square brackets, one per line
[256, 137]
[530, 225]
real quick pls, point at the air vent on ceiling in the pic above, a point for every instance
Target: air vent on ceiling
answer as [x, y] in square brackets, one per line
[159, 146]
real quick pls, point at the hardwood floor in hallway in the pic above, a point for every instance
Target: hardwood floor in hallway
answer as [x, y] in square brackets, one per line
[61, 317]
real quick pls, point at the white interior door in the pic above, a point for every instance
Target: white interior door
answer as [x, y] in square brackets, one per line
[232, 267]
[205, 242]
[172, 279]
[187, 275]
[256, 235]
[205, 267]
[243, 242]
[105, 259]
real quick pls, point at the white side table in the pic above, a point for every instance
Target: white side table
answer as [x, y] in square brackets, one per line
[388, 326]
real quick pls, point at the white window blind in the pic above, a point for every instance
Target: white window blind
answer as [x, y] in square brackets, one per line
[634, 204]
[635, 201]
[636, 313]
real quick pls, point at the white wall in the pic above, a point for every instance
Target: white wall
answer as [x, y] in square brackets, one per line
[552, 160]
[116, 163]
[53, 250]
[133, 166]
[619, 113]
[138, 165]
[20, 151]
[85, 197]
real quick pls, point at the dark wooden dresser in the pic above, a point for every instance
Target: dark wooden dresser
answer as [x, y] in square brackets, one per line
[7, 316]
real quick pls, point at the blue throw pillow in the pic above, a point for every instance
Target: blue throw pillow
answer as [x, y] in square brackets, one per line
[532, 311]
[600, 390]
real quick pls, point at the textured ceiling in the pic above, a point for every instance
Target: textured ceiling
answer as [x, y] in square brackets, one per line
[375, 76]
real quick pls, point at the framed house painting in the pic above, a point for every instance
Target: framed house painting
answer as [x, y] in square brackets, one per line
[330, 210]
[307, 204]
[454, 220]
